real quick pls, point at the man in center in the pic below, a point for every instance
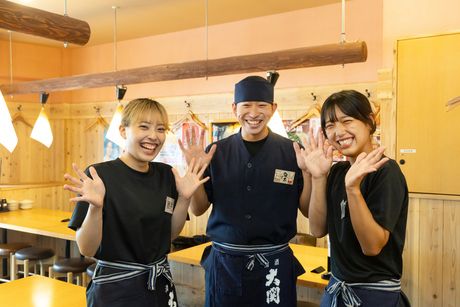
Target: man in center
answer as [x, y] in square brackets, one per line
[257, 183]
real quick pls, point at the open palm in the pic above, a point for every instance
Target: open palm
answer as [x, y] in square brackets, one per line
[317, 155]
[87, 189]
[188, 184]
[364, 164]
[195, 148]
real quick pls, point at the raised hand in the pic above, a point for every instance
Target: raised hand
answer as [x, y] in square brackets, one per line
[365, 163]
[317, 155]
[87, 189]
[188, 184]
[195, 148]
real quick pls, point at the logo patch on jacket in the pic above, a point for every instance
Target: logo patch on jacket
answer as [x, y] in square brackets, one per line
[284, 177]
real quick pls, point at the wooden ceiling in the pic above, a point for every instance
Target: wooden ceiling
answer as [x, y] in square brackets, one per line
[140, 18]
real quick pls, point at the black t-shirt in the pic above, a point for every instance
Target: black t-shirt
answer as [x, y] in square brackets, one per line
[136, 224]
[254, 147]
[386, 195]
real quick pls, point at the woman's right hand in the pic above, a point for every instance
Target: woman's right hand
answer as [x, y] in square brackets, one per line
[87, 189]
[317, 154]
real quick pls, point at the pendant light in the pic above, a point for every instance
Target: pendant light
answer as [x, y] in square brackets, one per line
[113, 133]
[276, 123]
[8, 137]
[42, 128]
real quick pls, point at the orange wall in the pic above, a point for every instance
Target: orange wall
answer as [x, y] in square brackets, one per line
[402, 19]
[379, 23]
[31, 62]
[295, 29]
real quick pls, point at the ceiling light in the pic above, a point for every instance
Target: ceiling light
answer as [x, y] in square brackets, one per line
[276, 124]
[42, 128]
[8, 137]
[113, 133]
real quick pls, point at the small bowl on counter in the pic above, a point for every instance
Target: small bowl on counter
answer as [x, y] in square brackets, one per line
[13, 205]
[26, 204]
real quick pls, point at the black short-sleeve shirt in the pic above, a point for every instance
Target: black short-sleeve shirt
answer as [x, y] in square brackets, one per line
[386, 195]
[255, 198]
[136, 222]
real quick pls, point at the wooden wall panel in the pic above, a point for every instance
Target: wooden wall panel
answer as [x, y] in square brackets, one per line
[451, 254]
[51, 197]
[431, 252]
[411, 256]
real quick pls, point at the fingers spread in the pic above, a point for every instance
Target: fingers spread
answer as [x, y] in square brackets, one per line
[192, 140]
[211, 152]
[93, 173]
[72, 179]
[203, 168]
[79, 172]
[181, 146]
[175, 173]
[296, 148]
[311, 140]
[71, 188]
[201, 138]
[204, 180]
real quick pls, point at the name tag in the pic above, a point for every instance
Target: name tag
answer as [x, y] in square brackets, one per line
[285, 177]
[169, 206]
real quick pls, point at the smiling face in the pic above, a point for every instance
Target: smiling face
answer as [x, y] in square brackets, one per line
[144, 126]
[348, 135]
[348, 123]
[253, 117]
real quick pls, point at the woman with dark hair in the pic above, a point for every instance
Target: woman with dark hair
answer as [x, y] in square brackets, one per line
[361, 203]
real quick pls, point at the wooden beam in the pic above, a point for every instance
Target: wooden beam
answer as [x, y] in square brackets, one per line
[333, 54]
[25, 19]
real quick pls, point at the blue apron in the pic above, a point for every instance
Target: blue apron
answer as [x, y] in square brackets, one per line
[120, 284]
[255, 275]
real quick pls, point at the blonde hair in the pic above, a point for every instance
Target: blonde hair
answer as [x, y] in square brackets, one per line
[141, 106]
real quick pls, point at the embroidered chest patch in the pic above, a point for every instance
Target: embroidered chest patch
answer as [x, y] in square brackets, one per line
[284, 177]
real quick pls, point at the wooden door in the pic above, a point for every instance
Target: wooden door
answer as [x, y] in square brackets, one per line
[428, 134]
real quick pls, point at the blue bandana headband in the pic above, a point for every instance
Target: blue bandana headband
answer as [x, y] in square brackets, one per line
[254, 88]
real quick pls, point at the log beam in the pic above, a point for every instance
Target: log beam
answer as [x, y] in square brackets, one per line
[332, 54]
[25, 19]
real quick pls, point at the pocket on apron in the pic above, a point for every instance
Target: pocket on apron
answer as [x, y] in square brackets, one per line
[229, 273]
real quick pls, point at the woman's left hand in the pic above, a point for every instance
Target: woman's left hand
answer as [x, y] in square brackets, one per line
[364, 164]
[188, 184]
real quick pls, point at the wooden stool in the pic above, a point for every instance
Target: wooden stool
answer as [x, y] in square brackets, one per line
[7, 251]
[31, 255]
[69, 266]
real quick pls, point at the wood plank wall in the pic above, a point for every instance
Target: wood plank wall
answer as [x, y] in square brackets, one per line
[431, 256]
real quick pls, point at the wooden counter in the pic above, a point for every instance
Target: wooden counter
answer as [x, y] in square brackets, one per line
[37, 291]
[39, 221]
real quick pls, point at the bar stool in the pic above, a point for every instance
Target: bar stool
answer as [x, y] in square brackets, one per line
[32, 255]
[7, 251]
[67, 267]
